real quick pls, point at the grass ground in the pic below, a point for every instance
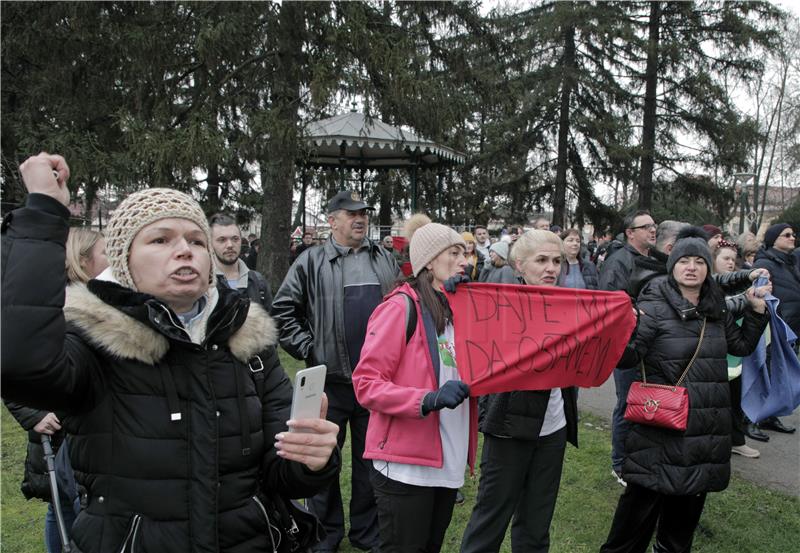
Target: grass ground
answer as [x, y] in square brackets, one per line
[745, 518]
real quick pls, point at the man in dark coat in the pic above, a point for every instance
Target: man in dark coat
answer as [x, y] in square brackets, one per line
[640, 234]
[780, 242]
[322, 308]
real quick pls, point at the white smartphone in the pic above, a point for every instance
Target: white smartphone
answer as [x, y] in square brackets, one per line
[309, 385]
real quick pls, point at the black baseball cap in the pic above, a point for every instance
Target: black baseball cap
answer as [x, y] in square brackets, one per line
[351, 201]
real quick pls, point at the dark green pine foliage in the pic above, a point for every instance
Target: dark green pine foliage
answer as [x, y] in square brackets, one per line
[690, 49]
[561, 124]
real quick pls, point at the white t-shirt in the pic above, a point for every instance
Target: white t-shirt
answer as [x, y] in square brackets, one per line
[453, 430]
[554, 418]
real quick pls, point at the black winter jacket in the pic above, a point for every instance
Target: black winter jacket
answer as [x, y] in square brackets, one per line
[616, 270]
[521, 414]
[170, 438]
[35, 482]
[785, 272]
[698, 459]
[309, 306]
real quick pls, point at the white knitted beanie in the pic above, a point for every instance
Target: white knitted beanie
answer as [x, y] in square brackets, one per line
[427, 240]
[139, 210]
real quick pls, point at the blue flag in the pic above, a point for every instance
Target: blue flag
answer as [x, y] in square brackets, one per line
[772, 391]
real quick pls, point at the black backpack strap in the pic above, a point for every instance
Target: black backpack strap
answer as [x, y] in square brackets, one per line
[411, 317]
[428, 326]
[262, 286]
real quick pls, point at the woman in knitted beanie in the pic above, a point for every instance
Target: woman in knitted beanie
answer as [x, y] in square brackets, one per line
[176, 399]
[682, 339]
[525, 435]
[421, 432]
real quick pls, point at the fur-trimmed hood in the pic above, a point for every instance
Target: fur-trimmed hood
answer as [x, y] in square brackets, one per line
[125, 337]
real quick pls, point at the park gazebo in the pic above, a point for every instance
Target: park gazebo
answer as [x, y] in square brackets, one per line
[354, 142]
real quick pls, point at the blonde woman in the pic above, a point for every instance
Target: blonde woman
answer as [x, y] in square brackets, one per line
[475, 259]
[86, 255]
[525, 436]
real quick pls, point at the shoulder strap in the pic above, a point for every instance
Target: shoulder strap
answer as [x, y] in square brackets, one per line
[256, 366]
[411, 317]
[261, 284]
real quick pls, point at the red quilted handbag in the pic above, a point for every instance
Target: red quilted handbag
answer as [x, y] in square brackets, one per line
[660, 404]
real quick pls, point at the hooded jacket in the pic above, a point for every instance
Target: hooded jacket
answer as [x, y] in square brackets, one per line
[170, 438]
[784, 270]
[696, 460]
[391, 380]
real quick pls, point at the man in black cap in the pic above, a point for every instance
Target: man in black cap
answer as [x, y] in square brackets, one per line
[780, 242]
[322, 308]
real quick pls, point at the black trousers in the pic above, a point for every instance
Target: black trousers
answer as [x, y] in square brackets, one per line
[413, 519]
[641, 511]
[738, 419]
[519, 478]
[327, 505]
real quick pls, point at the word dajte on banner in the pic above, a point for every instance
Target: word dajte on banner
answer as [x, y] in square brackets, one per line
[514, 337]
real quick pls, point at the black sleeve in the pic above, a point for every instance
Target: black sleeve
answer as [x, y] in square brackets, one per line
[289, 310]
[733, 282]
[743, 341]
[643, 336]
[42, 365]
[27, 417]
[290, 479]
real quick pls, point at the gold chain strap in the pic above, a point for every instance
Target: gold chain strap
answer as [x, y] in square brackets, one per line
[685, 372]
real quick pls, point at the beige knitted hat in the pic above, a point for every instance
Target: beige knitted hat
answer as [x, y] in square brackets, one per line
[139, 210]
[428, 240]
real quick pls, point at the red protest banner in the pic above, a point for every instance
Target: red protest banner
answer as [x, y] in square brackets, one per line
[515, 337]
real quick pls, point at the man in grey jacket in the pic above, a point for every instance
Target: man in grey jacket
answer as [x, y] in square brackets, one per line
[322, 308]
[640, 235]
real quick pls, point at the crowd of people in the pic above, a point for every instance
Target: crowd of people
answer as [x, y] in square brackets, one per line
[156, 366]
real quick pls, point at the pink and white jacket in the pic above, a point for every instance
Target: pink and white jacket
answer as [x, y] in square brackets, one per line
[392, 378]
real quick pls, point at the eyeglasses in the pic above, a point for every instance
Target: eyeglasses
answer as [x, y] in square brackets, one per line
[649, 226]
[789, 235]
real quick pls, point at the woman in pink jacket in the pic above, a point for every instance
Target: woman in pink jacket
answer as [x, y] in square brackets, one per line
[421, 433]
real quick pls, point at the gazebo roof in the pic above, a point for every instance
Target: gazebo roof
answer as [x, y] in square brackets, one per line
[371, 144]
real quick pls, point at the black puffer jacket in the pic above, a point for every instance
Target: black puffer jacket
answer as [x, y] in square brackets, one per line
[170, 438]
[785, 273]
[35, 482]
[521, 414]
[309, 306]
[697, 460]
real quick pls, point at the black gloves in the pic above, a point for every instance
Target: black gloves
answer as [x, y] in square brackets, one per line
[450, 395]
[451, 283]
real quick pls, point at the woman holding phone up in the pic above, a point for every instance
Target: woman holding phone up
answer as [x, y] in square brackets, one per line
[161, 375]
[421, 432]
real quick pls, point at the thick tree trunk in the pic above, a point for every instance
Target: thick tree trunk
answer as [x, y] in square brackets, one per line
[649, 121]
[278, 161]
[213, 202]
[567, 84]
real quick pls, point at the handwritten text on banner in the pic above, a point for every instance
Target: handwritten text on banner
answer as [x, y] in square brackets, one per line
[515, 337]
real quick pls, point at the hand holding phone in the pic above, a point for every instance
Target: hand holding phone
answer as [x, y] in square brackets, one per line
[309, 387]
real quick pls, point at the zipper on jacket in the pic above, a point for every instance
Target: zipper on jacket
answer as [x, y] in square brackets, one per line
[269, 525]
[131, 536]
